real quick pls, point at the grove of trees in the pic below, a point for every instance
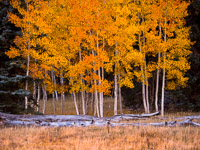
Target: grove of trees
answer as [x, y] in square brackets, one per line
[96, 47]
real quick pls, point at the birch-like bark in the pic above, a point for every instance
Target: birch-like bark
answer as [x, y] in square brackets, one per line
[26, 86]
[53, 94]
[143, 85]
[28, 63]
[54, 104]
[96, 107]
[102, 69]
[74, 98]
[92, 102]
[34, 90]
[82, 92]
[54, 82]
[115, 82]
[163, 92]
[158, 73]
[62, 84]
[96, 101]
[147, 88]
[75, 103]
[143, 79]
[147, 96]
[164, 55]
[102, 76]
[152, 96]
[44, 99]
[120, 95]
[99, 74]
[100, 95]
[157, 87]
[87, 108]
[62, 93]
[145, 75]
[38, 98]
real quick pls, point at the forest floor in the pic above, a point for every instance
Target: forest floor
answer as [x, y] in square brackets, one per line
[102, 138]
[69, 108]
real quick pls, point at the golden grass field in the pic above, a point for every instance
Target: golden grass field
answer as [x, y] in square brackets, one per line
[98, 138]
[101, 138]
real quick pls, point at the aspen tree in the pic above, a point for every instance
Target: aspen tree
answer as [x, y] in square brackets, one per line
[23, 43]
[78, 41]
[38, 98]
[175, 45]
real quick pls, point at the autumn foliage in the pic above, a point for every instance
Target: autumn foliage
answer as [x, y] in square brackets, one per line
[77, 42]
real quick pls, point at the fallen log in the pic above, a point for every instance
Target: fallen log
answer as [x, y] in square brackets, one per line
[181, 118]
[81, 121]
[121, 117]
[48, 118]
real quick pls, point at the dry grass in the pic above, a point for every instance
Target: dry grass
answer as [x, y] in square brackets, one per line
[93, 138]
[101, 138]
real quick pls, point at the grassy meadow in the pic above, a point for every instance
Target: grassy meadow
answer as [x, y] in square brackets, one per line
[98, 138]
[101, 138]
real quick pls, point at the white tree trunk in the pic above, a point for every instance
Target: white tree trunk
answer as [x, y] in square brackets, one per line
[92, 102]
[26, 86]
[163, 93]
[96, 109]
[120, 95]
[74, 98]
[164, 55]
[115, 95]
[102, 99]
[100, 95]
[158, 73]
[99, 74]
[87, 103]
[102, 69]
[143, 78]
[34, 90]
[28, 63]
[147, 98]
[76, 106]
[147, 88]
[143, 97]
[53, 94]
[145, 74]
[82, 92]
[62, 84]
[44, 99]
[143, 85]
[38, 98]
[54, 82]
[156, 94]
[83, 102]
[54, 104]
[62, 93]
[115, 82]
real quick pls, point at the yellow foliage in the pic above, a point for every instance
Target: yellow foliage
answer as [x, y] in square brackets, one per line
[124, 33]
